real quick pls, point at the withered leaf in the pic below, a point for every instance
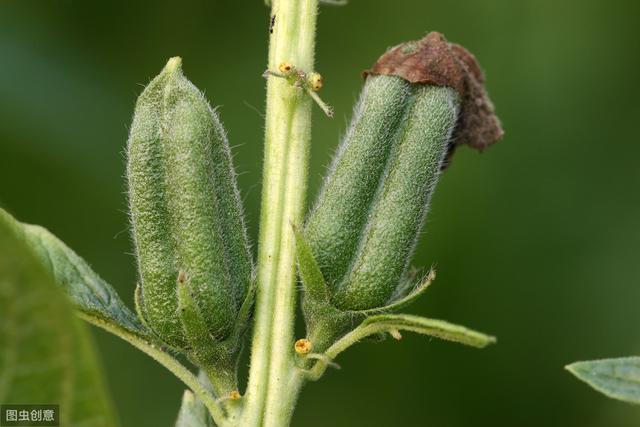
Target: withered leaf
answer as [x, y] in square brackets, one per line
[433, 60]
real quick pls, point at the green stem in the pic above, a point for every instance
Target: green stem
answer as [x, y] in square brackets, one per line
[269, 401]
[166, 360]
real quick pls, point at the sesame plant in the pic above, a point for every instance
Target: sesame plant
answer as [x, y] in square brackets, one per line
[201, 295]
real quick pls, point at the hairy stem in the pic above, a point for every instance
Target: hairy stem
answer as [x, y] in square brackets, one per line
[269, 399]
[168, 362]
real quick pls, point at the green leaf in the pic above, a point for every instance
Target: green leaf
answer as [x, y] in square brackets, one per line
[192, 413]
[47, 355]
[616, 378]
[90, 294]
[422, 325]
[392, 324]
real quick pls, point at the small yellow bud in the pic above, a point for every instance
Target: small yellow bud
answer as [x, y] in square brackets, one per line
[285, 68]
[316, 81]
[234, 395]
[303, 346]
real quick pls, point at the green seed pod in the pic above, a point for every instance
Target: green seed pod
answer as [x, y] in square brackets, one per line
[185, 210]
[337, 221]
[370, 211]
[400, 205]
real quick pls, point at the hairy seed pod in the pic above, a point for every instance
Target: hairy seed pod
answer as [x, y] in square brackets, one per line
[364, 226]
[340, 215]
[185, 209]
[370, 211]
[400, 205]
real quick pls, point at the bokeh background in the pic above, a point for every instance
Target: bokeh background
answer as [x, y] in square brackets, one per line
[536, 240]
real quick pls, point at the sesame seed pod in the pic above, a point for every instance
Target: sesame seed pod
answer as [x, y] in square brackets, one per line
[339, 217]
[421, 100]
[401, 204]
[185, 209]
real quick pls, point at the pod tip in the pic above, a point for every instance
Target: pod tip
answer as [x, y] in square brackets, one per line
[173, 64]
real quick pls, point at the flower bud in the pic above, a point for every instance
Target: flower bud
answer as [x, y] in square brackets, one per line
[186, 213]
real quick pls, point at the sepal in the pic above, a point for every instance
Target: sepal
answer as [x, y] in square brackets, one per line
[331, 330]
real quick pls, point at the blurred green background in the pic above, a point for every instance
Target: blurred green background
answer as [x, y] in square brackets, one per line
[536, 240]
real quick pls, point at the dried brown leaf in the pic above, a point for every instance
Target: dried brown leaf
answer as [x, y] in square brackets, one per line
[433, 60]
